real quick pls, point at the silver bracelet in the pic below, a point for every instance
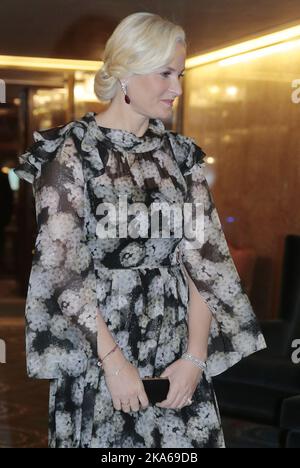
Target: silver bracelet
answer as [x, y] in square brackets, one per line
[117, 371]
[189, 357]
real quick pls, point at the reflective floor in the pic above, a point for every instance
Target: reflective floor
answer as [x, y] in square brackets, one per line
[23, 401]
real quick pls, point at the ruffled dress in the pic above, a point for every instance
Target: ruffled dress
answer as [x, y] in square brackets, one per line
[100, 247]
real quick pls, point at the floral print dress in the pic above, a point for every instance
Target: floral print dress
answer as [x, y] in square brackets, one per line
[138, 284]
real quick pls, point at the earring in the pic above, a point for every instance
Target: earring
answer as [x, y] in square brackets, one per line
[127, 98]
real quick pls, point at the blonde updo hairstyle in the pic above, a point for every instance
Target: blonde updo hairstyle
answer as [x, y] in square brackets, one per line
[141, 43]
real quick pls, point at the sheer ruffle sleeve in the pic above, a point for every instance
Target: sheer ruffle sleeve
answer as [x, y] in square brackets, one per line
[234, 332]
[61, 304]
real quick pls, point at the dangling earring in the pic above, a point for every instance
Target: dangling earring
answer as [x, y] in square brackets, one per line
[127, 98]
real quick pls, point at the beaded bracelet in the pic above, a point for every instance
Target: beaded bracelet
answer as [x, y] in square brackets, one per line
[196, 361]
[100, 362]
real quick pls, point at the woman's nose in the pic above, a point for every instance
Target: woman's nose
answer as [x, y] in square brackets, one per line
[176, 88]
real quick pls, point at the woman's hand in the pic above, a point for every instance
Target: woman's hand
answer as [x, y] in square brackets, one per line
[126, 388]
[184, 377]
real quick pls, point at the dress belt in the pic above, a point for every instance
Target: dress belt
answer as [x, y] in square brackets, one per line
[148, 267]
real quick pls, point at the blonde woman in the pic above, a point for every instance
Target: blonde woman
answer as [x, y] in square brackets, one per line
[107, 307]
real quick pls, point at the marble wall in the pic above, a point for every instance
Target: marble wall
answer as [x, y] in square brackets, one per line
[242, 114]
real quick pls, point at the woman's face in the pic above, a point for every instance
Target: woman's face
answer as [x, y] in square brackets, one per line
[148, 92]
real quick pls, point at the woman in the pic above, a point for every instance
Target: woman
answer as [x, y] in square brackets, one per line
[140, 305]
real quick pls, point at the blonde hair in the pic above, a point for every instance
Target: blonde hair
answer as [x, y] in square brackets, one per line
[141, 43]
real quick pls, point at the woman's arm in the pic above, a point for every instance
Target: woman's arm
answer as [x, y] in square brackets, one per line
[234, 331]
[199, 322]
[64, 326]
[106, 343]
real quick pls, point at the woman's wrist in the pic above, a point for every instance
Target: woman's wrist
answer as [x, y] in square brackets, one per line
[199, 354]
[195, 360]
[113, 359]
[116, 371]
[107, 351]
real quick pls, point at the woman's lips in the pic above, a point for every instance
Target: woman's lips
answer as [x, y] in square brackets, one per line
[169, 102]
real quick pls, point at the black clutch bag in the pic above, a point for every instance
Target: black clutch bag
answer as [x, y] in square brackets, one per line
[156, 388]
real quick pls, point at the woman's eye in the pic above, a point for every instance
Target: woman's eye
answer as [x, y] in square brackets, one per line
[166, 74]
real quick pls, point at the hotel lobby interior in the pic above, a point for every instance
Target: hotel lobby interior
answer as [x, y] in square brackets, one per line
[240, 102]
